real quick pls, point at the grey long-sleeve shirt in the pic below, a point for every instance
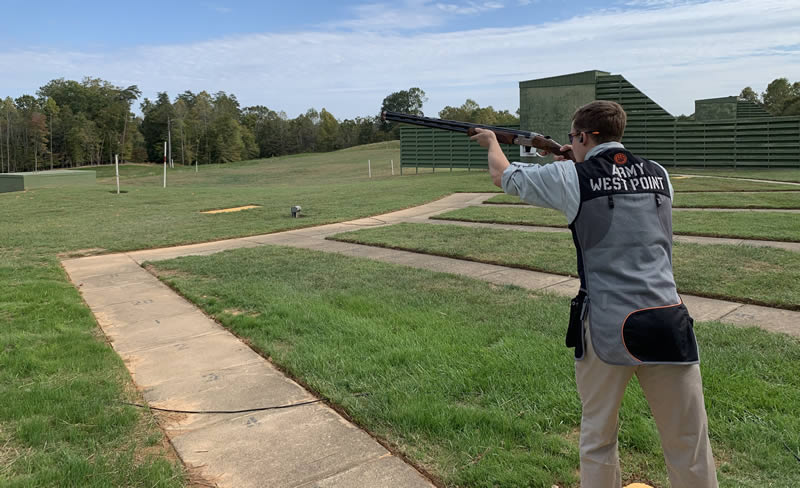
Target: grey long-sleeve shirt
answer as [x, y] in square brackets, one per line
[553, 185]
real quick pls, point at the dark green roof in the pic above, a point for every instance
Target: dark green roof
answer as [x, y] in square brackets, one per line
[718, 100]
[583, 78]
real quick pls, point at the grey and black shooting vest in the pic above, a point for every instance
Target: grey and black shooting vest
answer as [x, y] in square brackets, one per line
[623, 237]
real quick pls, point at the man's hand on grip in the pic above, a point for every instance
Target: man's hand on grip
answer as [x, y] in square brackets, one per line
[484, 137]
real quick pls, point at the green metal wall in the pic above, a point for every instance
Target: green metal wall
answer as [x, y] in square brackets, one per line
[715, 108]
[27, 181]
[547, 104]
[11, 182]
[421, 147]
[722, 138]
[726, 132]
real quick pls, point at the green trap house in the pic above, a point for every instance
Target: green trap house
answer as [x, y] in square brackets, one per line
[41, 179]
[724, 131]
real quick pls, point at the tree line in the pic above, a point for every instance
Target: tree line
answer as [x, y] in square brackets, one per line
[780, 97]
[70, 123]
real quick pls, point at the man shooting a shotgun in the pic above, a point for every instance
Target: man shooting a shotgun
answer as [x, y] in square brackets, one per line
[628, 318]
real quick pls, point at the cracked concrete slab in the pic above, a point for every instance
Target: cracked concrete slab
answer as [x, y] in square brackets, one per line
[287, 448]
[386, 471]
[150, 334]
[192, 357]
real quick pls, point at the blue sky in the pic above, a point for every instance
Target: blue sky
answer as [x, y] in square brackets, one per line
[88, 24]
[347, 56]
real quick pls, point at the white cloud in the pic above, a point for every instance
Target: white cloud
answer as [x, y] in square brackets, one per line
[469, 8]
[675, 54]
[410, 15]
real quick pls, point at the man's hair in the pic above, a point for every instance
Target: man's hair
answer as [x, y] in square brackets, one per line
[607, 118]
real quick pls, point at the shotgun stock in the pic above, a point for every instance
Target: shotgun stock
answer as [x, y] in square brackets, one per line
[506, 136]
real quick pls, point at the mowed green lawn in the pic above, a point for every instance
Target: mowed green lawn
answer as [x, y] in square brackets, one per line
[61, 384]
[775, 174]
[472, 380]
[61, 420]
[772, 226]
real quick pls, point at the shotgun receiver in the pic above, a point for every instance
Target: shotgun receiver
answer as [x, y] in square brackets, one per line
[522, 138]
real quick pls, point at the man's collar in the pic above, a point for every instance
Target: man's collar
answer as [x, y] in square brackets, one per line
[603, 147]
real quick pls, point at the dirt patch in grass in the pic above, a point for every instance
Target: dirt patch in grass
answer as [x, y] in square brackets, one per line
[9, 453]
[761, 267]
[231, 209]
[153, 443]
[237, 312]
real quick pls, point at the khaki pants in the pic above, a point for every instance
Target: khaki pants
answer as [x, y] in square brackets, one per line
[675, 395]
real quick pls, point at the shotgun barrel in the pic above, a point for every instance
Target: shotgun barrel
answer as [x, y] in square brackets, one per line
[506, 136]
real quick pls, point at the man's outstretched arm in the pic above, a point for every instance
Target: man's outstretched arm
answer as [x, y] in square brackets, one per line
[497, 159]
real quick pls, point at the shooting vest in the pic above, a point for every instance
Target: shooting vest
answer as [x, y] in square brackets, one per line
[623, 237]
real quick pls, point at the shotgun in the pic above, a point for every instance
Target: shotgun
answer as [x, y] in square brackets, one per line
[522, 138]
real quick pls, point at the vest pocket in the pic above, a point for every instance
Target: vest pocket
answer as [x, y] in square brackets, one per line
[661, 334]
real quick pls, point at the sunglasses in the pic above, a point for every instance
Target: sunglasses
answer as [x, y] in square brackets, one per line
[571, 135]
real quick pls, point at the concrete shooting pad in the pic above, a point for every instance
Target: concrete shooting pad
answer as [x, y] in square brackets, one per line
[181, 359]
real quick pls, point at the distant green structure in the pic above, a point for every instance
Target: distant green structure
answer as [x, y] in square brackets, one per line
[724, 131]
[421, 147]
[61, 177]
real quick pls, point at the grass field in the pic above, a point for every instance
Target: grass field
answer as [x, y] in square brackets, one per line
[773, 226]
[775, 174]
[472, 380]
[61, 421]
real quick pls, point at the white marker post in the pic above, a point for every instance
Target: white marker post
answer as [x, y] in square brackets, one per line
[392, 161]
[116, 165]
[369, 167]
[165, 164]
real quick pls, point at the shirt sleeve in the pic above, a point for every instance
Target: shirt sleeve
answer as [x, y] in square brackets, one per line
[552, 185]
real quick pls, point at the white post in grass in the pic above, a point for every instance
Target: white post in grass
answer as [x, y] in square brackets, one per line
[195, 165]
[369, 167]
[165, 164]
[116, 166]
[392, 162]
[169, 140]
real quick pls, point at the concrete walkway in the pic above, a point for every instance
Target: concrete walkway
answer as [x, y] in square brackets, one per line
[181, 359]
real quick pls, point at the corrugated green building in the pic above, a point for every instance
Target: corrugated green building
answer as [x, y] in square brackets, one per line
[723, 132]
[40, 179]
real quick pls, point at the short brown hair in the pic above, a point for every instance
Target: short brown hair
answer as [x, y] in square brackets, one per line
[607, 118]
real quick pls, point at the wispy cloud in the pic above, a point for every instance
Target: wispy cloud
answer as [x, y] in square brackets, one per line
[469, 8]
[220, 9]
[411, 15]
[675, 53]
